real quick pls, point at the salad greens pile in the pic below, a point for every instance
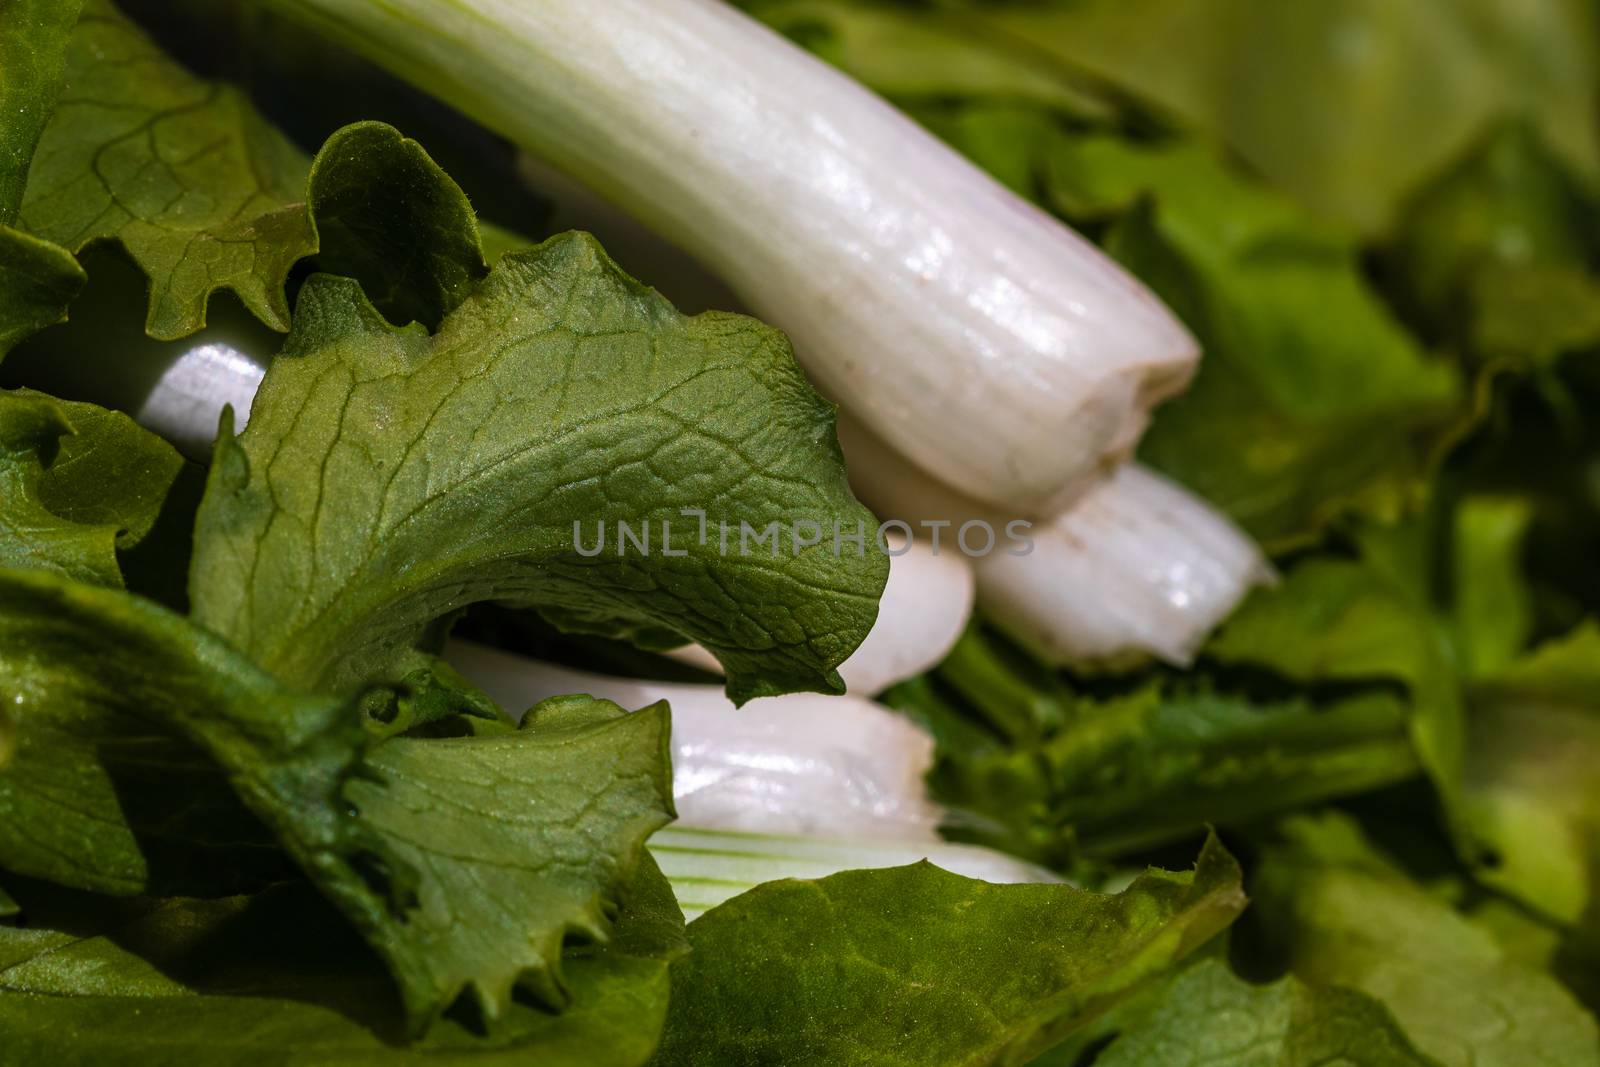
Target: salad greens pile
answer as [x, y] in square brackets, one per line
[248, 815]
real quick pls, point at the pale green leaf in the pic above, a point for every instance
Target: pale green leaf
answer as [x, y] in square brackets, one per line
[1346, 916]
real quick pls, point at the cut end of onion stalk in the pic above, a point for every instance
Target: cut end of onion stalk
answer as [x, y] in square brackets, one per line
[1136, 565]
[921, 615]
[968, 328]
[798, 764]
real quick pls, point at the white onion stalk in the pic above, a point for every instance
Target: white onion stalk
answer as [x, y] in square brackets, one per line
[923, 611]
[1136, 565]
[797, 764]
[707, 867]
[965, 326]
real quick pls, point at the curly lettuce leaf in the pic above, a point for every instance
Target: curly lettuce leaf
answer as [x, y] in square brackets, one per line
[79, 483]
[38, 280]
[1347, 916]
[388, 216]
[278, 978]
[1207, 1015]
[98, 794]
[465, 862]
[937, 969]
[205, 195]
[388, 478]
[199, 189]
[33, 47]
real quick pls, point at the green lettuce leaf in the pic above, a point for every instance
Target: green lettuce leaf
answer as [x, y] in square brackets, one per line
[1498, 257]
[466, 862]
[38, 279]
[33, 47]
[97, 795]
[388, 478]
[1048, 765]
[388, 216]
[1333, 620]
[1207, 1015]
[79, 483]
[1530, 788]
[278, 978]
[1347, 916]
[199, 189]
[1282, 444]
[932, 968]
[204, 194]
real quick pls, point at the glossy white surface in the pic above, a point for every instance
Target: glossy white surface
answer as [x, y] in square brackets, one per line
[797, 764]
[188, 399]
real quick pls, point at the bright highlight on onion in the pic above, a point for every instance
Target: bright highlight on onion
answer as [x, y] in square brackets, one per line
[1136, 565]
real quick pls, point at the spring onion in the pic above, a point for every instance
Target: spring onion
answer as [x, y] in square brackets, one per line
[968, 328]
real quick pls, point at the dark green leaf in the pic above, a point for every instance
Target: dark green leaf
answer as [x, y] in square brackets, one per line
[389, 217]
[466, 862]
[388, 478]
[1207, 1017]
[916, 966]
[279, 979]
[96, 795]
[1530, 787]
[1040, 763]
[1509, 212]
[30, 534]
[33, 47]
[202, 193]
[1336, 620]
[109, 472]
[38, 280]
[79, 482]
